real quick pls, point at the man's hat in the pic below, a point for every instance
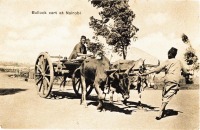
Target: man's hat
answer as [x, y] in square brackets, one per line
[173, 50]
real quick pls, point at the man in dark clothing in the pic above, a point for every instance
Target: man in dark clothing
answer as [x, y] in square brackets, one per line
[79, 49]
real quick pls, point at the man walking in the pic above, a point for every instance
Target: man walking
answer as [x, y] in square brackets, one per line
[172, 68]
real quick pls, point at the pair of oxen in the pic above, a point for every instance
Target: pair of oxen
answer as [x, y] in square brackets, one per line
[121, 75]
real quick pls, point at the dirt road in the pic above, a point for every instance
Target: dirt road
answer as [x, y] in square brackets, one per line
[21, 107]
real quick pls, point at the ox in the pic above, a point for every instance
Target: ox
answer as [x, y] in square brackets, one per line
[93, 72]
[134, 81]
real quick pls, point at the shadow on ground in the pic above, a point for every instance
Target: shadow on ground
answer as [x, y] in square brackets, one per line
[112, 107]
[68, 95]
[146, 107]
[10, 91]
[171, 112]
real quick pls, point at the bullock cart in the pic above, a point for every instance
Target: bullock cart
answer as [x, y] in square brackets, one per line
[48, 68]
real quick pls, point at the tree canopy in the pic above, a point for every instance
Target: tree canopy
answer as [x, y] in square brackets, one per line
[190, 54]
[94, 46]
[118, 33]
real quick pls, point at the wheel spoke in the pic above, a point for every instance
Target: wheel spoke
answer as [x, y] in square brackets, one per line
[40, 69]
[47, 80]
[42, 63]
[45, 65]
[39, 80]
[40, 86]
[46, 68]
[44, 86]
[47, 75]
[79, 87]
[77, 81]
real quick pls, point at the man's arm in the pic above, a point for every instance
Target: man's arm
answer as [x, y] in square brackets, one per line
[155, 70]
[79, 50]
[81, 54]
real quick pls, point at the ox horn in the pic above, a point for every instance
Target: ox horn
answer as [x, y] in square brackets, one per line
[158, 62]
[112, 74]
[128, 70]
[150, 65]
[144, 61]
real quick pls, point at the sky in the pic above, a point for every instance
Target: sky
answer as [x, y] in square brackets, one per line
[24, 35]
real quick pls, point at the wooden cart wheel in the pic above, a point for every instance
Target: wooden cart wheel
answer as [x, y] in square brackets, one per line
[76, 80]
[44, 74]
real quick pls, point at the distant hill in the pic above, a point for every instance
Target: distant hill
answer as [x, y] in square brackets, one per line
[136, 53]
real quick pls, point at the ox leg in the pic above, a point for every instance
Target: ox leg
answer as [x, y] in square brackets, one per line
[118, 98]
[101, 96]
[129, 87]
[139, 88]
[83, 88]
[111, 96]
[65, 80]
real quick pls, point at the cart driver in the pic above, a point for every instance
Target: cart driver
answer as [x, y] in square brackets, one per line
[79, 50]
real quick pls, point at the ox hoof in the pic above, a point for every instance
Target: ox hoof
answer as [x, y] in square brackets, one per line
[101, 109]
[84, 104]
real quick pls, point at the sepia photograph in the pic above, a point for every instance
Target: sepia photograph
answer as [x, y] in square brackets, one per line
[99, 64]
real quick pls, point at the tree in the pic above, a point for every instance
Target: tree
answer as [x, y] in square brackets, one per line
[94, 46]
[190, 56]
[119, 33]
